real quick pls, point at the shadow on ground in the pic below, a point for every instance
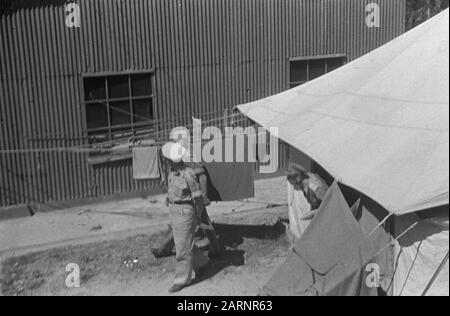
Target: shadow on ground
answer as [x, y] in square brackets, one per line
[231, 236]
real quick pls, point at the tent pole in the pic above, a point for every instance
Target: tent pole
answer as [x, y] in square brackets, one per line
[436, 274]
[381, 223]
[398, 237]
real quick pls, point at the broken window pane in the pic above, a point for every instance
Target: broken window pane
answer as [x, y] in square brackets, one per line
[143, 110]
[109, 103]
[120, 113]
[94, 89]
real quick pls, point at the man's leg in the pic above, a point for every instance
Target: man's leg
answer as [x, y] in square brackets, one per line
[188, 256]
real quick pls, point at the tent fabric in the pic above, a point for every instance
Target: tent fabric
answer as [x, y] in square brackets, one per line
[418, 255]
[333, 234]
[369, 215]
[379, 124]
[326, 264]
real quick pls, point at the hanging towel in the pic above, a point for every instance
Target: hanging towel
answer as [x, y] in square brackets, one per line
[146, 163]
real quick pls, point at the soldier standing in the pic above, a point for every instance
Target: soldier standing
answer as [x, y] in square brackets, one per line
[185, 200]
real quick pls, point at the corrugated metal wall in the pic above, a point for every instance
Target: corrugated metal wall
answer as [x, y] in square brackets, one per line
[206, 55]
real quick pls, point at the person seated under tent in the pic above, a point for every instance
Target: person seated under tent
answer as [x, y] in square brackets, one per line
[305, 193]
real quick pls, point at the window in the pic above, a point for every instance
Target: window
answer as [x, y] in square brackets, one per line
[118, 106]
[304, 70]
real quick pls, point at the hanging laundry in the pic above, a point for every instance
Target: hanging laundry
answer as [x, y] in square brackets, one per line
[233, 179]
[230, 181]
[146, 162]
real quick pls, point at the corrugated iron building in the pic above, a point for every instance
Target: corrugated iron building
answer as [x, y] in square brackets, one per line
[163, 61]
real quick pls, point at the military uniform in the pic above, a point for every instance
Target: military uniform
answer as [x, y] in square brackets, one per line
[165, 244]
[183, 190]
[215, 248]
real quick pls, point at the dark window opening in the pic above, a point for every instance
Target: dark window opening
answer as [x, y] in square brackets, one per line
[317, 68]
[94, 89]
[302, 71]
[119, 106]
[299, 71]
[119, 87]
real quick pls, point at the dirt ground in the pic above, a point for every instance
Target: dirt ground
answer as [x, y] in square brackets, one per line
[127, 267]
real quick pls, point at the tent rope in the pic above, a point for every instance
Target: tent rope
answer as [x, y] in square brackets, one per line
[436, 274]
[396, 239]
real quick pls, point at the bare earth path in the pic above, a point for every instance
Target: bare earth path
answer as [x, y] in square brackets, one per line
[255, 242]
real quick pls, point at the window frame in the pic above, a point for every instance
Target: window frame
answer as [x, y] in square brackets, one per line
[307, 59]
[110, 131]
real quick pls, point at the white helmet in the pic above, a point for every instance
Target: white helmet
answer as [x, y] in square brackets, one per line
[174, 151]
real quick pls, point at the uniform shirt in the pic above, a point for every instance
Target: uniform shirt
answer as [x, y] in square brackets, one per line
[198, 168]
[183, 186]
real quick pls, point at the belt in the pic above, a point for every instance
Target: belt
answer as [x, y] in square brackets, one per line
[179, 202]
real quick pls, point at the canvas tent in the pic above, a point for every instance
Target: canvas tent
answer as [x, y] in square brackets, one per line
[379, 125]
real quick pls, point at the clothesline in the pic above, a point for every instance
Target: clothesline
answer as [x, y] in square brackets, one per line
[81, 149]
[164, 135]
[160, 134]
[174, 120]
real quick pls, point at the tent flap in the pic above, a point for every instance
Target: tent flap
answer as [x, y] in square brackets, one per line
[327, 264]
[380, 123]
